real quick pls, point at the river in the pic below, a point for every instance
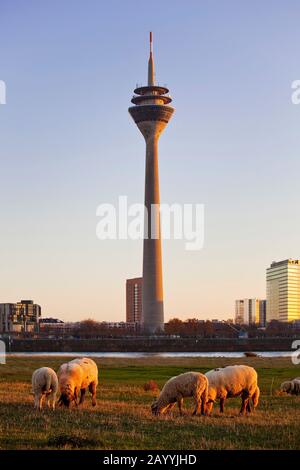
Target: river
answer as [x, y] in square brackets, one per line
[148, 354]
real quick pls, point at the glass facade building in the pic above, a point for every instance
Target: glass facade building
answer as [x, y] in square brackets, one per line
[283, 291]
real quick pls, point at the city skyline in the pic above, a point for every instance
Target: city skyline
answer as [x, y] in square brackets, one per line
[68, 145]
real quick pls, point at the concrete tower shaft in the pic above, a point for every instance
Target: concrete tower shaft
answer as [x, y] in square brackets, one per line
[151, 114]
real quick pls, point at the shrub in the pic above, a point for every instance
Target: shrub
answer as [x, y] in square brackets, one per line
[150, 385]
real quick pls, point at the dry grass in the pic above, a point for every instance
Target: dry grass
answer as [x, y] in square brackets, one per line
[122, 419]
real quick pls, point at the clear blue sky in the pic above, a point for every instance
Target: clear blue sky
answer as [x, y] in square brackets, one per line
[68, 144]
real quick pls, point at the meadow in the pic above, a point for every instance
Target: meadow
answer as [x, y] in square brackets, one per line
[122, 418]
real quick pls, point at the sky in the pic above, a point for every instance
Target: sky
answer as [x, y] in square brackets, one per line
[68, 144]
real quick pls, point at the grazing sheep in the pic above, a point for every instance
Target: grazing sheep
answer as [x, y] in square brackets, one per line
[75, 376]
[291, 387]
[44, 384]
[232, 381]
[189, 384]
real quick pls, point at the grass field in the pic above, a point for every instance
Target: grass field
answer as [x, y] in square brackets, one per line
[122, 418]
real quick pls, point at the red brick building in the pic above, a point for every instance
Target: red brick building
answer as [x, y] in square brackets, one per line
[134, 289]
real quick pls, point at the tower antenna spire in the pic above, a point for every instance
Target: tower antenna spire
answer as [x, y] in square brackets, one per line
[151, 73]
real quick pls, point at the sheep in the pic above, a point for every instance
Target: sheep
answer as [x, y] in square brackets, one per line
[189, 384]
[291, 387]
[44, 384]
[232, 381]
[77, 375]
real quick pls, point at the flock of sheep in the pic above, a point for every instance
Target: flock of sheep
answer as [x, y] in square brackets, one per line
[73, 377]
[217, 384]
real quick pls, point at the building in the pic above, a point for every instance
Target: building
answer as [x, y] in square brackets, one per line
[239, 312]
[262, 312]
[21, 317]
[283, 290]
[151, 114]
[250, 311]
[134, 292]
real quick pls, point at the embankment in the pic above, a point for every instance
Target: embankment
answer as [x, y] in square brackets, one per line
[146, 344]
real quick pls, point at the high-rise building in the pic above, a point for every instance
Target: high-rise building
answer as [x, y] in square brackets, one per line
[151, 114]
[283, 290]
[239, 312]
[250, 311]
[262, 312]
[134, 289]
[19, 317]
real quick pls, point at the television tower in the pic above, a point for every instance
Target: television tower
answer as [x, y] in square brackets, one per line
[151, 114]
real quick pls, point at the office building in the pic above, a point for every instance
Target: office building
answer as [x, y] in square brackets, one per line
[20, 317]
[283, 291]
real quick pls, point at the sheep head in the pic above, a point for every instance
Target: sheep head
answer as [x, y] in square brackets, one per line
[68, 395]
[286, 387]
[154, 408]
[159, 408]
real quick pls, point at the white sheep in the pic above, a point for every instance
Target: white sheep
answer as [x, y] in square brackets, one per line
[291, 387]
[75, 376]
[189, 384]
[44, 384]
[232, 381]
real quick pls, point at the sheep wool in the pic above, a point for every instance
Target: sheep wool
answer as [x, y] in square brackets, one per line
[189, 384]
[233, 381]
[292, 387]
[76, 376]
[44, 385]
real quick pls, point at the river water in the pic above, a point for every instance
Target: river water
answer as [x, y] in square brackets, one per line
[148, 354]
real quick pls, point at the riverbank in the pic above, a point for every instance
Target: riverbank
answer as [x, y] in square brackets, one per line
[149, 344]
[122, 418]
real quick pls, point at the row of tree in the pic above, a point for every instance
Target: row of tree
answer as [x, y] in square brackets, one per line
[175, 327]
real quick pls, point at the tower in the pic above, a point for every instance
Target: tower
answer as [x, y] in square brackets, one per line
[151, 114]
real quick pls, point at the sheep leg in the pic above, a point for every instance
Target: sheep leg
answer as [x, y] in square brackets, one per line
[198, 402]
[51, 400]
[248, 408]
[203, 402]
[170, 407]
[198, 405]
[76, 396]
[209, 407]
[93, 390]
[222, 403]
[82, 395]
[180, 402]
[255, 398]
[38, 397]
[245, 400]
[40, 401]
